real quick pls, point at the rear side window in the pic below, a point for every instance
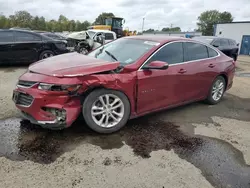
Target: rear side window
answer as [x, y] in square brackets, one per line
[6, 36]
[211, 52]
[224, 42]
[171, 53]
[26, 37]
[195, 51]
[109, 36]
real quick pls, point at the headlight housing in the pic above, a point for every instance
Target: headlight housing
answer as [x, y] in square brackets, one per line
[62, 88]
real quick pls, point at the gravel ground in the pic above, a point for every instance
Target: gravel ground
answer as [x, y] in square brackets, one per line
[192, 146]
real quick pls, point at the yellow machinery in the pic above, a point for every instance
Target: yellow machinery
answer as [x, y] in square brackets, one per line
[114, 24]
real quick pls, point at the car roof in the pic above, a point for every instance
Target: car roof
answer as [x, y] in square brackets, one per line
[158, 38]
[212, 37]
[100, 30]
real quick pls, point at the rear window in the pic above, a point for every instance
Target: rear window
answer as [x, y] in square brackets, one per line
[6, 36]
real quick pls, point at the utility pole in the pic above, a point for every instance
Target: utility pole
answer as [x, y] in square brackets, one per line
[142, 24]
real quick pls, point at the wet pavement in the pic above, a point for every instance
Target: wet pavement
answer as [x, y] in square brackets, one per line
[242, 74]
[220, 163]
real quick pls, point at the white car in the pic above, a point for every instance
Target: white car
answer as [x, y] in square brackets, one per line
[109, 35]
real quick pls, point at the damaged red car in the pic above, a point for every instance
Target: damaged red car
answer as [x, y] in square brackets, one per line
[124, 79]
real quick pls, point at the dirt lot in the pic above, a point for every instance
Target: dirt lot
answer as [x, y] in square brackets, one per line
[192, 146]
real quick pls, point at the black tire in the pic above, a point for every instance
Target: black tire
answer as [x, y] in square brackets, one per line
[46, 52]
[89, 101]
[210, 100]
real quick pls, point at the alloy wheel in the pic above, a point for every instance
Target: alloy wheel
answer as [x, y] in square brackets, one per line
[107, 111]
[218, 90]
[47, 55]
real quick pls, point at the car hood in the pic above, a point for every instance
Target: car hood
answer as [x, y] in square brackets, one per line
[71, 65]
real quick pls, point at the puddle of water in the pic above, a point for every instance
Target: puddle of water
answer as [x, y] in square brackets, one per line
[219, 162]
[242, 74]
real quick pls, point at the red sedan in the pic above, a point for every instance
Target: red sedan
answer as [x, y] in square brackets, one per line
[124, 79]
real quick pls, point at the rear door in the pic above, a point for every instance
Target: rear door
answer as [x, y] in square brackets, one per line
[27, 46]
[6, 43]
[201, 70]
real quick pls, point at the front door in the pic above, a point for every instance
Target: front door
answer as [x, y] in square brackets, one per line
[160, 88]
[26, 47]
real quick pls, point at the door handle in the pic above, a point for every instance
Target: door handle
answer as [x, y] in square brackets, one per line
[182, 71]
[211, 65]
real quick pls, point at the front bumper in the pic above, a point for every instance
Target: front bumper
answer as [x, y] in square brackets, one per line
[34, 107]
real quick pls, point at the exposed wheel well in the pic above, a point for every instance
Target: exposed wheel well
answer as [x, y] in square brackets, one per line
[88, 91]
[225, 77]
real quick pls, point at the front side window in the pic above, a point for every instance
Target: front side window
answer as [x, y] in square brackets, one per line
[171, 53]
[26, 37]
[195, 51]
[126, 51]
[216, 43]
[224, 42]
[232, 43]
[6, 36]
[109, 36]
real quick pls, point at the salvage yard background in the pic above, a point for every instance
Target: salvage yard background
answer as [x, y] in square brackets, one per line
[192, 146]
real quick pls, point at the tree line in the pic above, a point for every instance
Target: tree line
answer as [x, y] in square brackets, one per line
[24, 19]
[205, 24]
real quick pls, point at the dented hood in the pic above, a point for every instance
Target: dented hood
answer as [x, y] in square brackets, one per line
[71, 65]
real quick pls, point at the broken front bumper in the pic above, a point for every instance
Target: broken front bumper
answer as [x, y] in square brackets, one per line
[46, 110]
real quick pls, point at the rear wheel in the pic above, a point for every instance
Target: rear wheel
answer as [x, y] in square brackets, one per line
[106, 111]
[46, 54]
[217, 90]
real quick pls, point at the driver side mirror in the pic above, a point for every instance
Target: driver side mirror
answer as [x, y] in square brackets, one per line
[216, 46]
[158, 65]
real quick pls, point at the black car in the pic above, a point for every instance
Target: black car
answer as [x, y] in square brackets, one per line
[19, 46]
[227, 46]
[54, 36]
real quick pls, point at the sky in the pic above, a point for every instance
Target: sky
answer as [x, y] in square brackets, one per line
[157, 13]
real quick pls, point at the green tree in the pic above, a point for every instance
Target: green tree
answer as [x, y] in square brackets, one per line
[208, 19]
[3, 21]
[35, 23]
[25, 20]
[21, 19]
[149, 30]
[173, 29]
[100, 20]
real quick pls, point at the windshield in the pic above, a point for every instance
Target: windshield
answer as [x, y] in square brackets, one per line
[203, 39]
[91, 33]
[126, 51]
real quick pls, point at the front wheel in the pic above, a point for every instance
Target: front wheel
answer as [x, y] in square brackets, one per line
[217, 90]
[106, 111]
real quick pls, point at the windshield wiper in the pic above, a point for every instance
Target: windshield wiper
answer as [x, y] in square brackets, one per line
[111, 55]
